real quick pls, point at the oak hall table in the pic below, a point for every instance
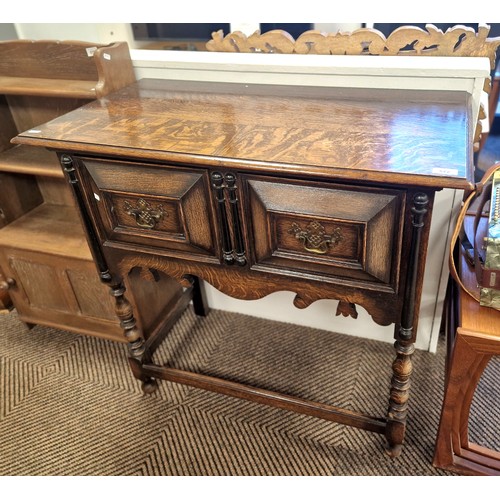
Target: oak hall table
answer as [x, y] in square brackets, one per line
[325, 192]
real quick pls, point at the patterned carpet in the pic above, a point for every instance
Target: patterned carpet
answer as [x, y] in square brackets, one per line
[69, 405]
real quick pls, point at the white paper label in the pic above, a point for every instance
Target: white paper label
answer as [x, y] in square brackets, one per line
[493, 279]
[91, 50]
[445, 171]
[107, 56]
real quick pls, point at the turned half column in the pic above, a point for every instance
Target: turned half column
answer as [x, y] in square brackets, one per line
[123, 307]
[402, 366]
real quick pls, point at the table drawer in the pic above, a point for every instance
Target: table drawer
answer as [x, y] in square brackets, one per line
[331, 231]
[165, 207]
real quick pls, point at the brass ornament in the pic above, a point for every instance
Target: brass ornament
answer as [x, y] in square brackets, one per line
[314, 237]
[144, 214]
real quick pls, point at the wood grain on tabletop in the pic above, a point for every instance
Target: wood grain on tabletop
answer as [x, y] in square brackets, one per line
[350, 132]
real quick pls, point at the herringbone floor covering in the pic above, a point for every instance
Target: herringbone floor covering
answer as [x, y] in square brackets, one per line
[69, 405]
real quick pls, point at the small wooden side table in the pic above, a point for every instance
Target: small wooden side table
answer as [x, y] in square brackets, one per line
[472, 340]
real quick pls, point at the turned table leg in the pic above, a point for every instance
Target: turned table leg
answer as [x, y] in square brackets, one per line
[398, 398]
[200, 303]
[135, 338]
[404, 345]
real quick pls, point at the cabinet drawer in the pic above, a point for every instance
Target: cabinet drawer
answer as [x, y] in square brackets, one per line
[332, 231]
[165, 207]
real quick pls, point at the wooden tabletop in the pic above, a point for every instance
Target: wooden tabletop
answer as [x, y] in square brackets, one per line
[398, 136]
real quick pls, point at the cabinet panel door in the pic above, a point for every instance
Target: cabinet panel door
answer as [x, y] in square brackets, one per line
[61, 292]
[164, 207]
[332, 231]
[93, 298]
[41, 285]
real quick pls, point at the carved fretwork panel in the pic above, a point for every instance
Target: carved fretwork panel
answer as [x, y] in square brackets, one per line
[346, 309]
[245, 284]
[457, 41]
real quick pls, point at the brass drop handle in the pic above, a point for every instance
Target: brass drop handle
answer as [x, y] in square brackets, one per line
[314, 238]
[144, 214]
[8, 283]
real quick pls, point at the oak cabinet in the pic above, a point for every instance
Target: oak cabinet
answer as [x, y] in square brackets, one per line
[47, 270]
[255, 189]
